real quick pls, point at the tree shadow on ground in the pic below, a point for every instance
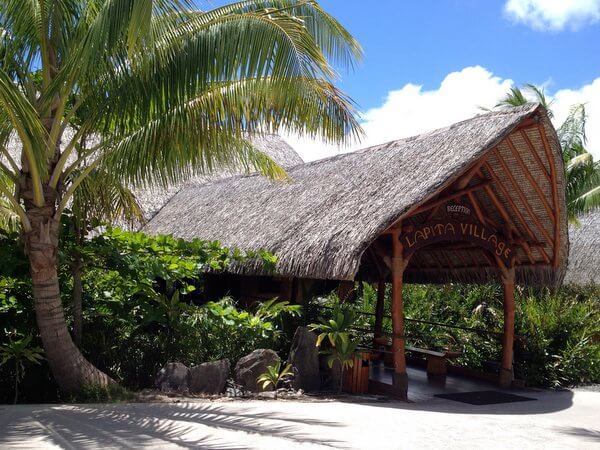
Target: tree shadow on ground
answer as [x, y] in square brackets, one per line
[546, 402]
[137, 425]
[584, 433]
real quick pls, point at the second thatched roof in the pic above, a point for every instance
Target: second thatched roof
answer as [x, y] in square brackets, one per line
[584, 254]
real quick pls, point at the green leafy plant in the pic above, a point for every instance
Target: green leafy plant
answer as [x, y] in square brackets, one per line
[337, 329]
[274, 376]
[20, 352]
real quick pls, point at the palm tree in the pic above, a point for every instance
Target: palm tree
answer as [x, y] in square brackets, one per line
[171, 92]
[582, 173]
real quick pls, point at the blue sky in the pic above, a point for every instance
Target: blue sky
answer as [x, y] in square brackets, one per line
[422, 41]
[429, 63]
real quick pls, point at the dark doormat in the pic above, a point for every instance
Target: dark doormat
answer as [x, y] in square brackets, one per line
[484, 397]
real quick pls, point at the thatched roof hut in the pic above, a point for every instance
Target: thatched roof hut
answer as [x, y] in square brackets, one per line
[584, 253]
[332, 220]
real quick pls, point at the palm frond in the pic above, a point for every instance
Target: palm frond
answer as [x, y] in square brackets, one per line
[103, 197]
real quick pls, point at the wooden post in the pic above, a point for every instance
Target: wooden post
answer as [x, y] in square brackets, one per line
[508, 283]
[379, 309]
[400, 379]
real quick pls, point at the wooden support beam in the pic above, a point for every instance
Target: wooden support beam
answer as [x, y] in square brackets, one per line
[379, 309]
[400, 378]
[451, 196]
[464, 180]
[504, 213]
[528, 123]
[508, 337]
[529, 177]
[492, 265]
[481, 217]
[557, 208]
[536, 155]
[523, 198]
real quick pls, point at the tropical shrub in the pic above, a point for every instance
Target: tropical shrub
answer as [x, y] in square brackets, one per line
[143, 305]
[337, 328]
[558, 332]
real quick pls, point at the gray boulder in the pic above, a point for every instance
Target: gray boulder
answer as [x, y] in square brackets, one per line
[251, 366]
[304, 358]
[209, 377]
[172, 377]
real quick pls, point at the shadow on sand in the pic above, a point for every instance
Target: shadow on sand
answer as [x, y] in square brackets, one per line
[129, 426]
[546, 402]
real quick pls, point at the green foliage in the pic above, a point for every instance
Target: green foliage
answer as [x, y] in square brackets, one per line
[274, 375]
[339, 328]
[143, 305]
[19, 351]
[561, 337]
[343, 353]
[93, 393]
[558, 332]
[198, 83]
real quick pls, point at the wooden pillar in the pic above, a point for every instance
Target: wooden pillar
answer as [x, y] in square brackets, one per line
[285, 289]
[400, 379]
[379, 309]
[508, 283]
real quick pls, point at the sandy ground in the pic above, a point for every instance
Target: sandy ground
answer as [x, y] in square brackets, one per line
[556, 420]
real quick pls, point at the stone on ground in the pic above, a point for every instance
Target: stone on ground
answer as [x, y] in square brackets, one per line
[304, 358]
[251, 366]
[209, 377]
[172, 377]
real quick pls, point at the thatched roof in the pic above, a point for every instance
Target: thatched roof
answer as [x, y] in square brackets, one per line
[151, 199]
[321, 222]
[584, 253]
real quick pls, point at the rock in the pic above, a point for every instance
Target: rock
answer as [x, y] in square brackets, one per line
[304, 358]
[172, 377]
[209, 377]
[251, 366]
[331, 375]
[267, 395]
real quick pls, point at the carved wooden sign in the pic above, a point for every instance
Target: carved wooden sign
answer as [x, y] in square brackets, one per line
[455, 208]
[457, 231]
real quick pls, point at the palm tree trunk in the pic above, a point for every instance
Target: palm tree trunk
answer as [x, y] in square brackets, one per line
[70, 368]
[77, 300]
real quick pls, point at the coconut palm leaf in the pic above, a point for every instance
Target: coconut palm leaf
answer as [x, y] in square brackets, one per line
[168, 91]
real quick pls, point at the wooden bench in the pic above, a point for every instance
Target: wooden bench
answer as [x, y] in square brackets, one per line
[436, 361]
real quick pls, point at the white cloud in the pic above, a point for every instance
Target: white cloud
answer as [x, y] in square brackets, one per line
[411, 110]
[589, 95]
[553, 14]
